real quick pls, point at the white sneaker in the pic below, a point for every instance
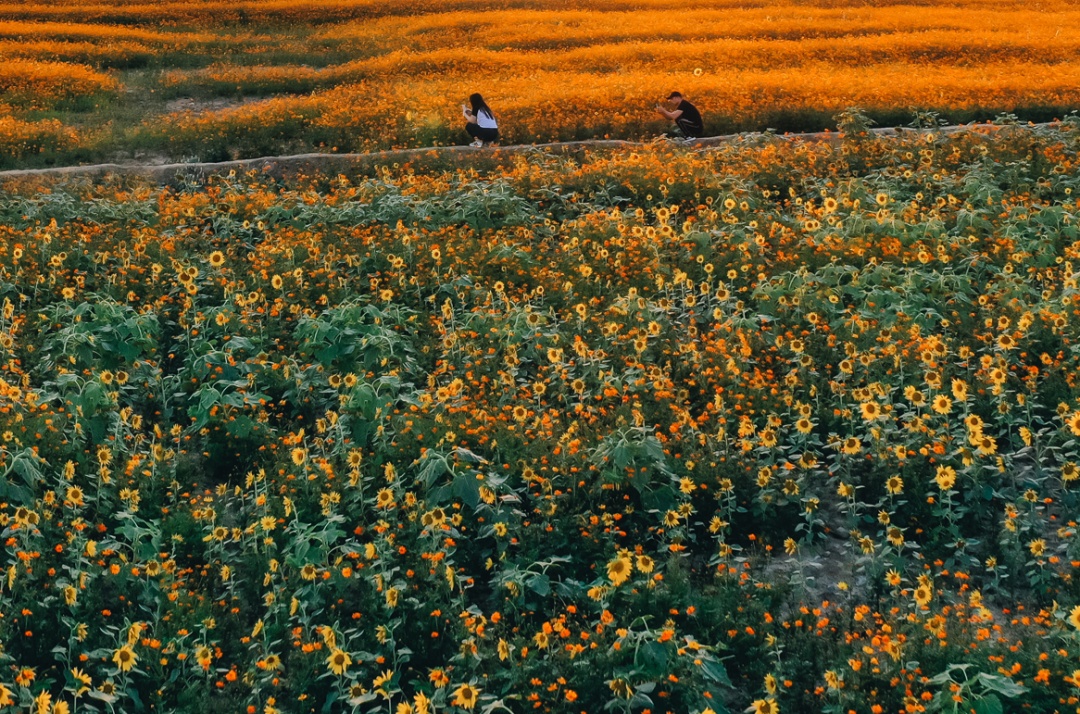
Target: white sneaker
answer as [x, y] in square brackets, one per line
[478, 143]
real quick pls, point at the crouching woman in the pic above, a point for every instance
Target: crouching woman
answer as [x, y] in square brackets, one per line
[481, 124]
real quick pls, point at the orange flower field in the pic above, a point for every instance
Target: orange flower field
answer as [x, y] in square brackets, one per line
[216, 80]
[772, 427]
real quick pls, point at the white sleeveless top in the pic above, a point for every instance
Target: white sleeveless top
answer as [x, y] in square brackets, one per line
[485, 120]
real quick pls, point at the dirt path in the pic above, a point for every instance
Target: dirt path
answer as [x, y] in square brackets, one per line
[279, 166]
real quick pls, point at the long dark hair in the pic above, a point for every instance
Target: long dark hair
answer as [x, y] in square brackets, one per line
[478, 103]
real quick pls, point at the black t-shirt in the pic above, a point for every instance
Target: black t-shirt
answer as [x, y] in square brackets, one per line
[690, 119]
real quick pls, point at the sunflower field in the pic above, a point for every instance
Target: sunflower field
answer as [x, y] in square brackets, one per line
[776, 426]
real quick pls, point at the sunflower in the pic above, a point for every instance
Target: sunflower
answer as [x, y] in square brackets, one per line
[383, 679]
[75, 496]
[645, 564]
[125, 658]
[465, 696]
[893, 578]
[945, 477]
[1069, 472]
[619, 570]
[1074, 617]
[922, 595]
[764, 706]
[960, 390]
[385, 498]
[299, 456]
[1037, 547]
[941, 404]
[338, 661]
[217, 259]
[204, 656]
[870, 410]
[852, 445]
[82, 680]
[1073, 422]
[986, 446]
[621, 688]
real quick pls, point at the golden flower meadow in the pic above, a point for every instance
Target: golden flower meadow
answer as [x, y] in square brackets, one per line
[780, 426]
[216, 80]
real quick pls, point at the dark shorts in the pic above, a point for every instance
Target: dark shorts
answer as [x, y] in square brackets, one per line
[690, 130]
[477, 132]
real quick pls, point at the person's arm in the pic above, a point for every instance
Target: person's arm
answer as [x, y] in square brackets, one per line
[469, 116]
[670, 115]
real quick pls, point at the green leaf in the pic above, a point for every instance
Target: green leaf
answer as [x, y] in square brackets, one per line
[716, 672]
[988, 705]
[466, 487]
[539, 584]
[1002, 685]
[651, 659]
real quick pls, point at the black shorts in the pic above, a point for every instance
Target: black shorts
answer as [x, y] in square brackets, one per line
[478, 132]
[691, 130]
